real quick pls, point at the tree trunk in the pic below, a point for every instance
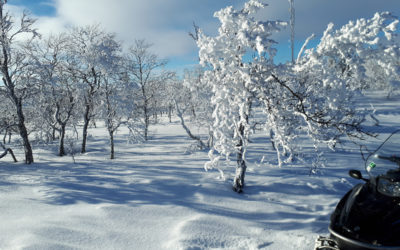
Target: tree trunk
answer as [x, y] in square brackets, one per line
[84, 136]
[192, 136]
[24, 133]
[155, 115]
[8, 81]
[53, 133]
[61, 149]
[85, 128]
[145, 109]
[146, 121]
[170, 113]
[20, 114]
[271, 136]
[9, 150]
[210, 141]
[112, 156]
[238, 182]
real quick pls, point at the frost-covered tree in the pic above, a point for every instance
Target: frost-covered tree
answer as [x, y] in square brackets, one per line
[17, 80]
[58, 95]
[117, 105]
[313, 98]
[363, 53]
[231, 80]
[382, 60]
[199, 97]
[316, 97]
[144, 70]
[93, 51]
[113, 111]
[328, 78]
[184, 106]
[192, 101]
[8, 119]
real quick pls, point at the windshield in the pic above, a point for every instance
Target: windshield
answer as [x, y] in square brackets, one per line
[386, 157]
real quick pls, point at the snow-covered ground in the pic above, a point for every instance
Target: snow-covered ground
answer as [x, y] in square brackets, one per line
[157, 196]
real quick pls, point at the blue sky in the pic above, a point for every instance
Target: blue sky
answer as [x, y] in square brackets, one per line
[166, 23]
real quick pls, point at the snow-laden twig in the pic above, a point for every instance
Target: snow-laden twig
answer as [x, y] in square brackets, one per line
[304, 47]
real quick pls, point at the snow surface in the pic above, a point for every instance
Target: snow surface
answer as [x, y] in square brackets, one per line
[157, 196]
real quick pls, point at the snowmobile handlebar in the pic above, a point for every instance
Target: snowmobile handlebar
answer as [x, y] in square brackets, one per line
[393, 158]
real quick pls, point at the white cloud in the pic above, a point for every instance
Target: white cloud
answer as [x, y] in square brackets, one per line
[163, 23]
[50, 25]
[166, 23]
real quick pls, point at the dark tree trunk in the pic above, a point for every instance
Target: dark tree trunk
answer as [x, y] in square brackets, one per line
[146, 121]
[18, 105]
[61, 149]
[84, 136]
[9, 150]
[112, 156]
[85, 128]
[53, 134]
[24, 133]
[155, 115]
[170, 113]
[9, 83]
[145, 111]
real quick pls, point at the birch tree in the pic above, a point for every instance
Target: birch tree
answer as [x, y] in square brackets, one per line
[16, 80]
[230, 79]
[117, 106]
[58, 97]
[357, 50]
[144, 70]
[93, 53]
[181, 99]
[313, 98]
[8, 119]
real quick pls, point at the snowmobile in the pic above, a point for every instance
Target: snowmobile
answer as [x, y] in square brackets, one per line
[368, 216]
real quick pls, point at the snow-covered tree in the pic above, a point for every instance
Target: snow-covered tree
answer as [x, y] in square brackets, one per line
[315, 97]
[114, 114]
[192, 101]
[231, 81]
[16, 80]
[93, 53]
[117, 105]
[345, 62]
[180, 96]
[363, 53]
[58, 95]
[199, 97]
[8, 119]
[382, 62]
[144, 70]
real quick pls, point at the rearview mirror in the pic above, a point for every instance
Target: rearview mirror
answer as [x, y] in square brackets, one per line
[355, 174]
